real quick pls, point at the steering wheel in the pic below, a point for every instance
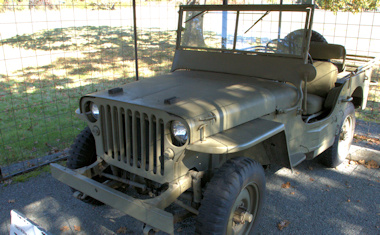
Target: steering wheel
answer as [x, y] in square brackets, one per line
[269, 48]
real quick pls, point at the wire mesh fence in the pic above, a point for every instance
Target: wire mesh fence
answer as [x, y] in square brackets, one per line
[360, 34]
[52, 52]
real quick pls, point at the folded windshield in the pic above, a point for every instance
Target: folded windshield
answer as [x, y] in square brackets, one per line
[256, 31]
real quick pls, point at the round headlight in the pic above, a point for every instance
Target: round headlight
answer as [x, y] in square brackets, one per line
[94, 110]
[179, 132]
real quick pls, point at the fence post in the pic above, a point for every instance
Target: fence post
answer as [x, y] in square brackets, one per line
[135, 39]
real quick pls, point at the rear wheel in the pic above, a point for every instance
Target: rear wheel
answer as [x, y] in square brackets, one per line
[335, 155]
[233, 199]
[83, 153]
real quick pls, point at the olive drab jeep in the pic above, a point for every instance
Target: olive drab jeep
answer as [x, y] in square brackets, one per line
[250, 86]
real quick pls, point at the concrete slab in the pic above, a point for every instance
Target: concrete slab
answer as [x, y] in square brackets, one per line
[360, 153]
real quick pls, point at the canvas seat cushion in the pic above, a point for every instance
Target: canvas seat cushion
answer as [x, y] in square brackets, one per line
[324, 80]
[314, 104]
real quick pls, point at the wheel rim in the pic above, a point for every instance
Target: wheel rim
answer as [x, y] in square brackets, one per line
[247, 203]
[345, 138]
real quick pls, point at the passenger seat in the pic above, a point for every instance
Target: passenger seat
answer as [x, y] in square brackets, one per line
[327, 72]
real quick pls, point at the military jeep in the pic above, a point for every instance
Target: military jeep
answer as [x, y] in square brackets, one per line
[249, 86]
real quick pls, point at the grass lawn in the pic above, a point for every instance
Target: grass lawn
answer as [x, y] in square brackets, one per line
[45, 73]
[372, 111]
[41, 91]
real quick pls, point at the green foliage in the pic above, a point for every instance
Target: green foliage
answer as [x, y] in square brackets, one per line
[354, 6]
[13, 5]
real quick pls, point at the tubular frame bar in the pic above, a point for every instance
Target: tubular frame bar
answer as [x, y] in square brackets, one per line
[269, 7]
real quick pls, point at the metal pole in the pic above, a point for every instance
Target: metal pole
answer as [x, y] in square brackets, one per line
[135, 39]
[279, 22]
[224, 27]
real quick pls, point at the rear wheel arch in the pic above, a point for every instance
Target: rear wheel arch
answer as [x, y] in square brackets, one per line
[357, 96]
[335, 154]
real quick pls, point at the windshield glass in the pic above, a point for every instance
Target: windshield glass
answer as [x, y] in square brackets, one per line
[245, 31]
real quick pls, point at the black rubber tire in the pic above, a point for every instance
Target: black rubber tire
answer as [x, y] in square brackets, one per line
[81, 154]
[331, 156]
[315, 36]
[222, 192]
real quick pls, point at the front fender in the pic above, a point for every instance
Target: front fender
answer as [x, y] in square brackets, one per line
[238, 138]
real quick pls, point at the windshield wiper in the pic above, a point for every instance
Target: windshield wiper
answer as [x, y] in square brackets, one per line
[200, 13]
[265, 14]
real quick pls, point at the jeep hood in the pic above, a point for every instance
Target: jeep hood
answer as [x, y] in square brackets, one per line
[194, 96]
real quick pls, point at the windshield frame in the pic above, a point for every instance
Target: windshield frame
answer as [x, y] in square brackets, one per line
[204, 9]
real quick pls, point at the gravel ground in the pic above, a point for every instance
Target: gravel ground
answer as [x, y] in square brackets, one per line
[343, 200]
[368, 129]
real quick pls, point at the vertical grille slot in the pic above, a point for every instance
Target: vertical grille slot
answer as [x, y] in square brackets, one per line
[103, 128]
[142, 145]
[145, 137]
[162, 131]
[107, 127]
[122, 136]
[129, 138]
[158, 148]
[115, 133]
[152, 145]
[133, 138]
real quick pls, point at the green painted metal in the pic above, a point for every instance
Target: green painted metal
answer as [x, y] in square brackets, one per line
[233, 103]
[239, 138]
[139, 209]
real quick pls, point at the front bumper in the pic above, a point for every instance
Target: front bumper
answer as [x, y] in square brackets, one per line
[147, 211]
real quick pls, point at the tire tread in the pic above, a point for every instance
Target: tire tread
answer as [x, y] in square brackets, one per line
[83, 153]
[218, 197]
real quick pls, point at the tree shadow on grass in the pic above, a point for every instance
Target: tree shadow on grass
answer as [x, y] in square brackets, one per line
[37, 102]
[111, 42]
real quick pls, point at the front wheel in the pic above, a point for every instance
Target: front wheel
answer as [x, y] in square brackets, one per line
[83, 153]
[233, 199]
[335, 155]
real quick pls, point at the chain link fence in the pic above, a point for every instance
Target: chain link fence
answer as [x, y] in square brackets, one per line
[52, 52]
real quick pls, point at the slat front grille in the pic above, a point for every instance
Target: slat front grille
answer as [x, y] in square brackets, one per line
[133, 138]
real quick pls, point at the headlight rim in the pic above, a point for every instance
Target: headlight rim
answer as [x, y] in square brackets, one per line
[92, 105]
[88, 108]
[176, 139]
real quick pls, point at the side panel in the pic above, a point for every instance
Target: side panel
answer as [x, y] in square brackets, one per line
[362, 80]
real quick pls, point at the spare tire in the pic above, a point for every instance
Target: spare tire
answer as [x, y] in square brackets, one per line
[299, 33]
